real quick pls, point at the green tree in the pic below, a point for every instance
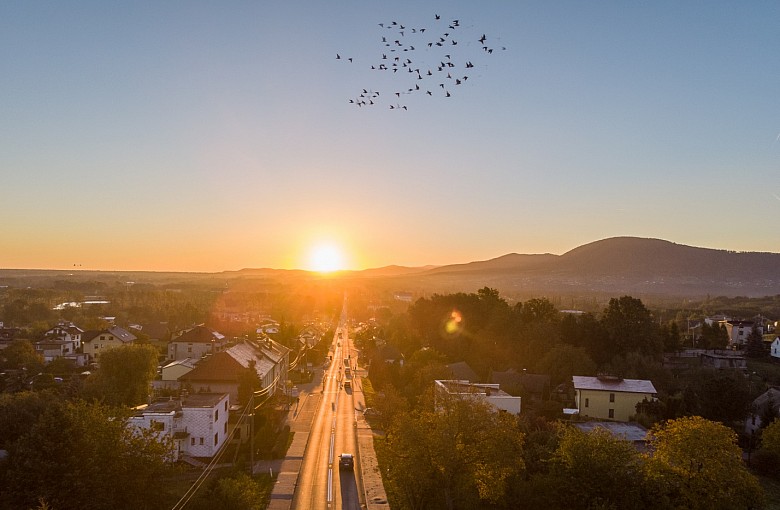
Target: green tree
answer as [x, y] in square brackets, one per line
[20, 354]
[563, 361]
[238, 491]
[124, 376]
[461, 455]
[83, 456]
[596, 470]
[631, 327]
[754, 345]
[770, 437]
[697, 464]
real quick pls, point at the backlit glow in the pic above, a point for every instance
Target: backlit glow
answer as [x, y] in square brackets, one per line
[326, 258]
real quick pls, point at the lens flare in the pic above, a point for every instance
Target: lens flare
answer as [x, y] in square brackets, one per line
[453, 325]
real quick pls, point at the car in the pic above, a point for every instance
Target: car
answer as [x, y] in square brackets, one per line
[346, 461]
[370, 411]
[347, 385]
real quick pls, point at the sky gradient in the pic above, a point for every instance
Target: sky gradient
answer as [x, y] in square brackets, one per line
[209, 136]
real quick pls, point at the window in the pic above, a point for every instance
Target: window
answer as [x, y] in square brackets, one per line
[192, 441]
[216, 439]
[611, 413]
[611, 397]
[225, 431]
[102, 337]
[586, 402]
[201, 440]
[225, 405]
[216, 415]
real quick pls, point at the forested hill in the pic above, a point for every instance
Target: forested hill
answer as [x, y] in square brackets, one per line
[624, 265]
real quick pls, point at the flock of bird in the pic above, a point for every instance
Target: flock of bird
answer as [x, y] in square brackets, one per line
[428, 61]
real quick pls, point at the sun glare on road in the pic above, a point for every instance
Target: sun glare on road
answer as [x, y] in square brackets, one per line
[326, 258]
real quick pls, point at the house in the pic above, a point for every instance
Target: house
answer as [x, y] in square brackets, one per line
[197, 424]
[723, 359]
[391, 354]
[155, 331]
[609, 397]
[462, 371]
[65, 331]
[96, 342]
[739, 331]
[221, 372]
[532, 386]
[177, 368]
[195, 343]
[774, 348]
[760, 408]
[49, 350]
[489, 393]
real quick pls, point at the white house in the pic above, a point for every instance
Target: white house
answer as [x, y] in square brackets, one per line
[774, 350]
[489, 393]
[197, 424]
[66, 331]
[739, 331]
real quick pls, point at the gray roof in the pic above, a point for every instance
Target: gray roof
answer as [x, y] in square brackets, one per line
[628, 431]
[613, 384]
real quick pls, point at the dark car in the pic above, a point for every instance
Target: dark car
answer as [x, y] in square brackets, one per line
[346, 461]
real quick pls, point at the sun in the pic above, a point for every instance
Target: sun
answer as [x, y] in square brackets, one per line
[326, 258]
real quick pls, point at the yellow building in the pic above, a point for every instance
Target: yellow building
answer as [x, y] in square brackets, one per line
[97, 342]
[610, 398]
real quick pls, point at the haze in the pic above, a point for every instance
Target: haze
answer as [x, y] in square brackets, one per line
[201, 136]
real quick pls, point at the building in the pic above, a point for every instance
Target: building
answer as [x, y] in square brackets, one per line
[195, 343]
[221, 372]
[609, 397]
[177, 368]
[66, 331]
[489, 393]
[97, 342]
[766, 404]
[722, 360]
[739, 331]
[632, 432]
[197, 425]
[532, 386]
[774, 348]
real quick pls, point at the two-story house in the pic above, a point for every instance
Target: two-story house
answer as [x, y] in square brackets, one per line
[66, 331]
[221, 372]
[96, 342]
[195, 343]
[609, 397]
[197, 424]
[739, 331]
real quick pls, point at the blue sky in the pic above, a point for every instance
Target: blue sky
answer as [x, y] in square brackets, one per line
[218, 135]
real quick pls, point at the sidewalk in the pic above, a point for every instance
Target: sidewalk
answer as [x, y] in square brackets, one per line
[299, 419]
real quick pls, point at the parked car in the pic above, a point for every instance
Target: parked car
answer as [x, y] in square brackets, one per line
[346, 461]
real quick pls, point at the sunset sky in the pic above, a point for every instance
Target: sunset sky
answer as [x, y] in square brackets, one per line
[209, 136]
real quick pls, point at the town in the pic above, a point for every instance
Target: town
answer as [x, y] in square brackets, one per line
[453, 400]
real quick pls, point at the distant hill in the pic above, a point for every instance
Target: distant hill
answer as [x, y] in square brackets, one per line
[621, 265]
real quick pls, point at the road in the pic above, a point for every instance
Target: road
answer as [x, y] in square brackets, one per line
[321, 484]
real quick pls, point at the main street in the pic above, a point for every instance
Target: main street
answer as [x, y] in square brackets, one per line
[321, 483]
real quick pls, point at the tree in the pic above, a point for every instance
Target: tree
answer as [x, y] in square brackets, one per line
[125, 375]
[631, 327]
[235, 492]
[83, 456]
[563, 361]
[697, 464]
[20, 354]
[770, 437]
[754, 345]
[670, 334]
[595, 470]
[464, 454]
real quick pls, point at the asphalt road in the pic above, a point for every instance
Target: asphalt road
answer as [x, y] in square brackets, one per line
[321, 483]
